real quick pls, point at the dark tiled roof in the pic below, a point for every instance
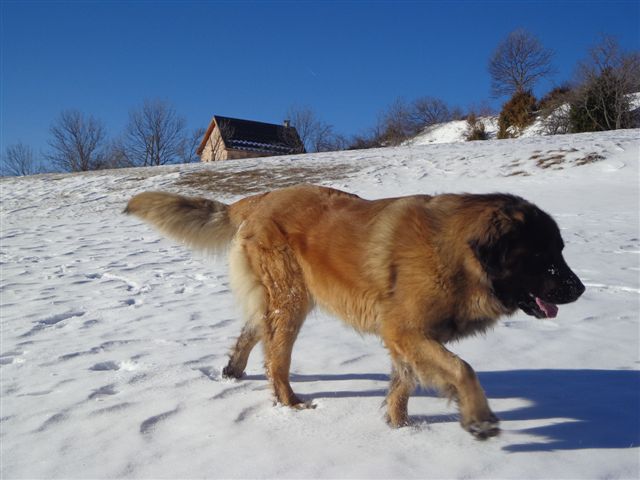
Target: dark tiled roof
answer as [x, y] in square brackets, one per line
[263, 137]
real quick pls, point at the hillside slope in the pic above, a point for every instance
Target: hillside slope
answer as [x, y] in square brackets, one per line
[454, 131]
[113, 338]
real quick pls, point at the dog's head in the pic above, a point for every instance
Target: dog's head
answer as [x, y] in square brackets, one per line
[521, 252]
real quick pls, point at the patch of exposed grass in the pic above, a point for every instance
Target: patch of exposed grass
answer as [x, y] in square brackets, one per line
[518, 173]
[261, 179]
[552, 161]
[590, 158]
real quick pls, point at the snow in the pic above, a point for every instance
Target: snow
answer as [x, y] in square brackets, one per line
[454, 131]
[113, 338]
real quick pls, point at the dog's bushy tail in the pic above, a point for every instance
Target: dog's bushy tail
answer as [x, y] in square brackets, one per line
[199, 223]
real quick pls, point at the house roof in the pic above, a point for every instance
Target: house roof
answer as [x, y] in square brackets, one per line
[238, 134]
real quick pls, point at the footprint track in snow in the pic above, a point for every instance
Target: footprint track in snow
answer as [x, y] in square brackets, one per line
[105, 366]
[103, 391]
[51, 321]
[246, 413]
[228, 392]
[147, 426]
[53, 420]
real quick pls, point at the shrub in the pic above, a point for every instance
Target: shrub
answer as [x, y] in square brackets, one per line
[475, 129]
[598, 106]
[602, 101]
[517, 114]
[557, 95]
[554, 110]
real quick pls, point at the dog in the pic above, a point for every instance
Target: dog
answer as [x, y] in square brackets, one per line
[419, 271]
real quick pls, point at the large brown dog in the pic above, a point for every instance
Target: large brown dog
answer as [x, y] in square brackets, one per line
[419, 271]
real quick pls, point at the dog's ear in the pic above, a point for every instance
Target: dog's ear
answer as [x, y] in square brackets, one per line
[492, 250]
[491, 255]
[492, 247]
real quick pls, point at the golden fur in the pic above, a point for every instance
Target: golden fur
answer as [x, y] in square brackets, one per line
[400, 268]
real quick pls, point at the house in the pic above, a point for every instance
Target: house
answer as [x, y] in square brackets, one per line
[233, 138]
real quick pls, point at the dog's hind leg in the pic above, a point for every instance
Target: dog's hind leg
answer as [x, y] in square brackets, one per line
[250, 293]
[281, 333]
[288, 304]
[402, 385]
[248, 339]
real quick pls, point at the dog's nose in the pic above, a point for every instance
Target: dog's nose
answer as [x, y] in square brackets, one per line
[574, 287]
[579, 288]
[567, 290]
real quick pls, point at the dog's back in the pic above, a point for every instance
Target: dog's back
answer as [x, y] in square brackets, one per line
[338, 241]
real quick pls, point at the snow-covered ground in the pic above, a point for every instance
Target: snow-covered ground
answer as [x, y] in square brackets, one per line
[455, 131]
[113, 338]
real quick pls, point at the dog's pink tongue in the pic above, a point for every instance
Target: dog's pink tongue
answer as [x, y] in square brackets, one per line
[550, 310]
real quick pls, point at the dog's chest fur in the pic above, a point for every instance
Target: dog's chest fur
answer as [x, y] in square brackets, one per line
[455, 328]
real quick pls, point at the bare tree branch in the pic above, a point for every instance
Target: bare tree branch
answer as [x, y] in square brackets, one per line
[316, 135]
[77, 142]
[606, 79]
[429, 111]
[191, 144]
[154, 135]
[518, 63]
[18, 160]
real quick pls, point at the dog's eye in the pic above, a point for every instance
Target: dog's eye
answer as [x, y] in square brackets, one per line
[537, 262]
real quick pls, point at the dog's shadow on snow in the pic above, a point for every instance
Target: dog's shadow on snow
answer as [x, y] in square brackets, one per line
[582, 409]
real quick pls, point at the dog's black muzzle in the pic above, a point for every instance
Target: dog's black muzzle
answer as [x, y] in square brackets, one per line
[564, 285]
[560, 286]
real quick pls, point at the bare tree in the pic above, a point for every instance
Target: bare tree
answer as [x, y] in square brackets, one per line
[403, 120]
[154, 135]
[429, 111]
[518, 63]
[398, 122]
[335, 143]
[77, 142]
[115, 155]
[290, 137]
[18, 160]
[316, 135]
[372, 138]
[304, 119]
[602, 101]
[191, 145]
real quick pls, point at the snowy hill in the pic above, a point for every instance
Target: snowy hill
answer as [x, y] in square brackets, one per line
[113, 338]
[451, 132]
[454, 131]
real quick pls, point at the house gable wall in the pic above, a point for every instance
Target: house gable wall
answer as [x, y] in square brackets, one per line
[214, 150]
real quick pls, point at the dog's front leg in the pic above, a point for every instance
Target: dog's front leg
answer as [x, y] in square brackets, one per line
[434, 365]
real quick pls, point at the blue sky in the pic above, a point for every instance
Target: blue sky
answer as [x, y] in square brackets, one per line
[346, 60]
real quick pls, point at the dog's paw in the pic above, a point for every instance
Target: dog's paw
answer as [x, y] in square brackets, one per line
[230, 372]
[399, 422]
[308, 405]
[295, 404]
[483, 429]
